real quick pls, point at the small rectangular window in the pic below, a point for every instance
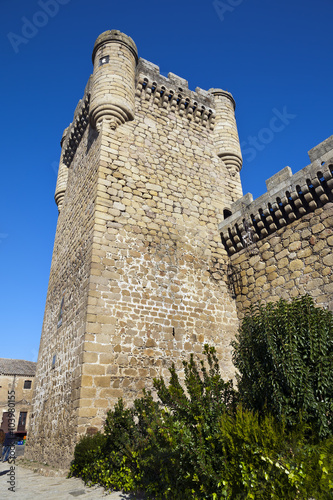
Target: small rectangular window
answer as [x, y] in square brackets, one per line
[27, 384]
[104, 60]
[22, 421]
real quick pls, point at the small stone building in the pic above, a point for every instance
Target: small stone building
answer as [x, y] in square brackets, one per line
[17, 378]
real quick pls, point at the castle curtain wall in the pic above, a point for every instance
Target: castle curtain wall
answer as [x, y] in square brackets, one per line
[292, 262]
[280, 245]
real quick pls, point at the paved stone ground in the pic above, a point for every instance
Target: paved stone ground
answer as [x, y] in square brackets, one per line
[30, 485]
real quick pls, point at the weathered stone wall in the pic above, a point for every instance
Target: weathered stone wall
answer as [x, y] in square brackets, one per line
[157, 292]
[280, 245]
[53, 424]
[292, 262]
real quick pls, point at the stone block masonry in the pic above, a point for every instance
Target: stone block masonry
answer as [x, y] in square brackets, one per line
[53, 424]
[280, 245]
[138, 277]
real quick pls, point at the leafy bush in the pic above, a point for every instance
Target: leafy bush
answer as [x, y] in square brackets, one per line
[98, 461]
[263, 460]
[178, 456]
[87, 450]
[197, 443]
[284, 353]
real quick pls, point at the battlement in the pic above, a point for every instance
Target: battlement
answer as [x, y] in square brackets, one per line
[169, 93]
[322, 151]
[289, 197]
[172, 93]
[73, 134]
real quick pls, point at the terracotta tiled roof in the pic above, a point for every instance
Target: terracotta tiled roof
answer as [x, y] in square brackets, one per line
[17, 367]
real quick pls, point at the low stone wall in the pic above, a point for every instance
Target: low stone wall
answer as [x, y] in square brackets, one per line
[280, 245]
[291, 262]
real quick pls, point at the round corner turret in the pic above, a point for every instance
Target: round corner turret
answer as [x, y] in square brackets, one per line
[225, 130]
[223, 93]
[62, 176]
[115, 57]
[114, 36]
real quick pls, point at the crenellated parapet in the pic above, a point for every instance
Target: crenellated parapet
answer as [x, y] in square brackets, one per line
[288, 198]
[77, 128]
[213, 109]
[172, 94]
[70, 141]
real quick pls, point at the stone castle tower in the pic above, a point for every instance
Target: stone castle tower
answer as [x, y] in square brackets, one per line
[138, 280]
[140, 276]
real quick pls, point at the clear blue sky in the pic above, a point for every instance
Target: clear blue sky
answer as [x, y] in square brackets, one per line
[273, 56]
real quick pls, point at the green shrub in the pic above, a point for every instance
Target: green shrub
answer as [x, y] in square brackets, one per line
[86, 452]
[98, 461]
[263, 460]
[284, 353]
[190, 426]
[197, 442]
